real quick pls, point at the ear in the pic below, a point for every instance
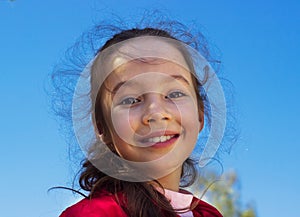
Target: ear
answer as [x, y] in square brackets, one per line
[100, 136]
[201, 119]
[107, 141]
[105, 138]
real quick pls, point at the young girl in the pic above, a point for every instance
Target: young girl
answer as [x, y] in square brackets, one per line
[138, 108]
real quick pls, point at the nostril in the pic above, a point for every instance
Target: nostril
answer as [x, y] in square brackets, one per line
[150, 120]
[156, 117]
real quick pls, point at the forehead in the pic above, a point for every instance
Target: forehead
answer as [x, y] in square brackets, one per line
[137, 55]
[148, 47]
[156, 71]
[147, 54]
[139, 48]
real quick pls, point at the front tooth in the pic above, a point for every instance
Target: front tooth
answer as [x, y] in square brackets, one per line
[165, 138]
[159, 139]
[162, 139]
[156, 139]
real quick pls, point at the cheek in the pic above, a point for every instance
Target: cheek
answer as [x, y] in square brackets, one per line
[191, 126]
[189, 114]
[124, 124]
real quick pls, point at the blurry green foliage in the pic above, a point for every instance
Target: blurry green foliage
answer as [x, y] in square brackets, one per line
[224, 193]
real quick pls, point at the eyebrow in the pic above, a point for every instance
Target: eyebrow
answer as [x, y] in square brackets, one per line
[129, 83]
[181, 78]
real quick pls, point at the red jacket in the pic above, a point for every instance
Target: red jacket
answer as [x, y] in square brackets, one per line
[107, 205]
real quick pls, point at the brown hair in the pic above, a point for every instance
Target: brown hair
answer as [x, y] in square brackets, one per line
[142, 199]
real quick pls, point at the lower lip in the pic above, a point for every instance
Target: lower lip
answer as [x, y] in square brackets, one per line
[165, 144]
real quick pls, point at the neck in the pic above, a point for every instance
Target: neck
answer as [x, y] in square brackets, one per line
[171, 181]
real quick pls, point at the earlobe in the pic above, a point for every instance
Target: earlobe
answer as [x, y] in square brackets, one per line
[100, 136]
[201, 125]
[201, 121]
[107, 141]
[105, 138]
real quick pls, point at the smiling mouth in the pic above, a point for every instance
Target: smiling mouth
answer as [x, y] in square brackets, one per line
[160, 139]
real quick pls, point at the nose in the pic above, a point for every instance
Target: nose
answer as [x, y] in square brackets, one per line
[156, 109]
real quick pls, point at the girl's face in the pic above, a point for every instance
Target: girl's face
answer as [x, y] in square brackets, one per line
[151, 110]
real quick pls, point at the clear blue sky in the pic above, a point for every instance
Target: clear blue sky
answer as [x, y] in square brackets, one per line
[260, 45]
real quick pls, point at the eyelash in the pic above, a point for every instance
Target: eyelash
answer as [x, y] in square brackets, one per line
[132, 100]
[176, 93]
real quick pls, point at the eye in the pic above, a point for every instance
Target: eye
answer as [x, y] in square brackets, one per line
[175, 94]
[130, 101]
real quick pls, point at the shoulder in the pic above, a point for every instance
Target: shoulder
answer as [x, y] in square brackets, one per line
[101, 205]
[204, 209]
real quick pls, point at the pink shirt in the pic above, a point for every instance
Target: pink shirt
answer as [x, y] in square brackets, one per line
[180, 200]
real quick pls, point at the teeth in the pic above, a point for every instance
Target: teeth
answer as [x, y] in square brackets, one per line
[159, 139]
